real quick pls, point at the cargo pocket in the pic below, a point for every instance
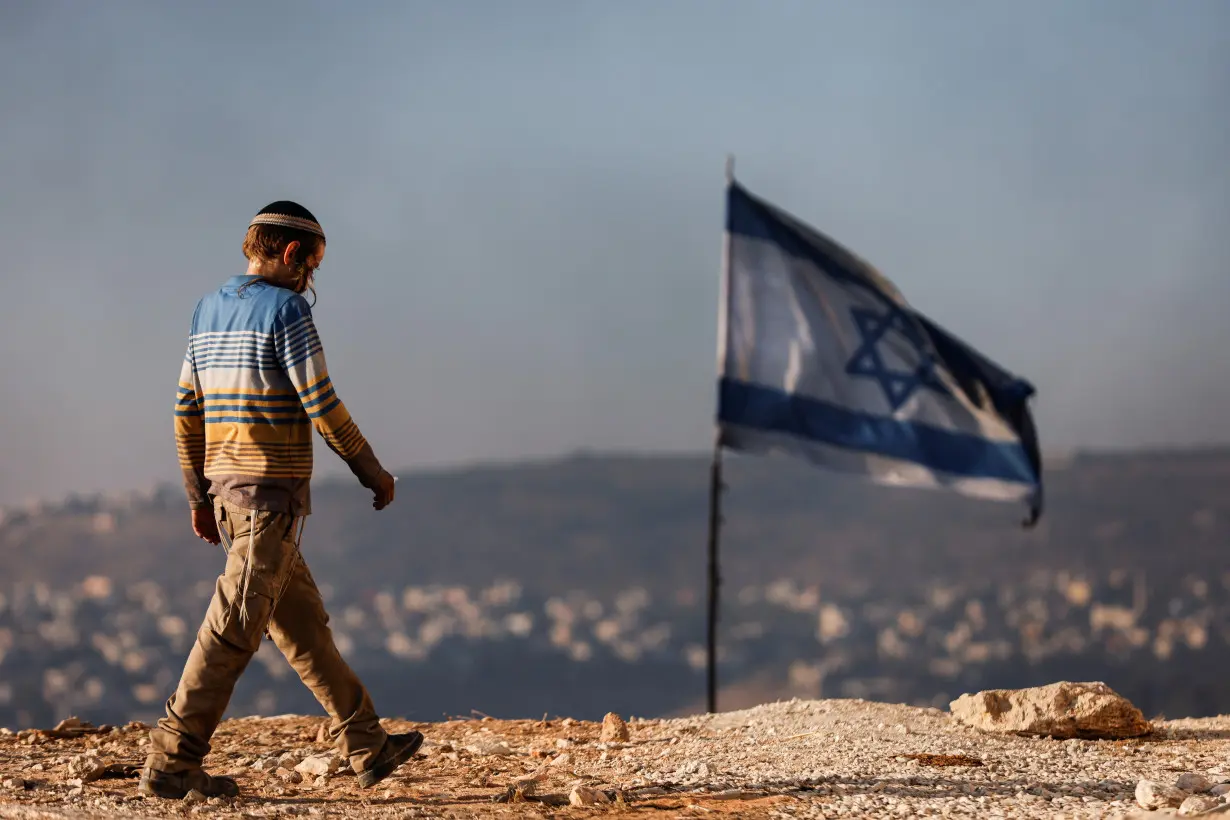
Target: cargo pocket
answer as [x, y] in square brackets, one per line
[255, 568]
[238, 621]
[242, 621]
[267, 558]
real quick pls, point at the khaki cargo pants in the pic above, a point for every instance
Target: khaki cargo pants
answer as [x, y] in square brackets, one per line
[266, 585]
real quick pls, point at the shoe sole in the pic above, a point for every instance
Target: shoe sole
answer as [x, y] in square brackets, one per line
[147, 788]
[380, 772]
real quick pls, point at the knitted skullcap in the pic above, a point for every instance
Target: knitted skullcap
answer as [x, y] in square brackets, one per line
[288, 215]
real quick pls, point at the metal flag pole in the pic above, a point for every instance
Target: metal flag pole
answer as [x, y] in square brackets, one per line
[715, 471]
[715, 524]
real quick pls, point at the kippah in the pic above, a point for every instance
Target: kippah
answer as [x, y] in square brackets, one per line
[288, 214]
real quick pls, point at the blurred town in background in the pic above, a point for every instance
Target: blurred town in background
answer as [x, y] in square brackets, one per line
[575, 587]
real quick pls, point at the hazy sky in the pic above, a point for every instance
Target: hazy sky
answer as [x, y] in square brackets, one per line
[524, 206]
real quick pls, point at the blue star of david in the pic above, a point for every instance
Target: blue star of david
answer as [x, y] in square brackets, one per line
[868, 362]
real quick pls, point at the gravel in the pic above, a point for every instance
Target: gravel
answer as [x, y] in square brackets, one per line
[805, 759]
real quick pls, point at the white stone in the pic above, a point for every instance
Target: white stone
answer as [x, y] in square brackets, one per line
[1152, 795]
[87, 767]
[290, 760]
[490, 748]
[587, 796]
[318, 765]
[1198, 803]
[194, 796]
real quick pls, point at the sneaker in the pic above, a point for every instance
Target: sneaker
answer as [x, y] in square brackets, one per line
[397, 750]
[175, 786]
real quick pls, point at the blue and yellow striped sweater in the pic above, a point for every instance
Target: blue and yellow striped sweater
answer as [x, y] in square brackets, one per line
[253, 387]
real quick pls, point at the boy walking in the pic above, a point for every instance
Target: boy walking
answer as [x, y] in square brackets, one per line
[252, 390]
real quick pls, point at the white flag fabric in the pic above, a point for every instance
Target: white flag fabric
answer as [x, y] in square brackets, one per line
[821, 357]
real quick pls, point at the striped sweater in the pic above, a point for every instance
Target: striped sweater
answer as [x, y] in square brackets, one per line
[252, 389]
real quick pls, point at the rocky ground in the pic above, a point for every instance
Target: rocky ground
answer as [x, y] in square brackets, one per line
[807, 759]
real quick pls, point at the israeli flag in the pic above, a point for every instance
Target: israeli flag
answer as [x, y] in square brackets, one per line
[820, 357]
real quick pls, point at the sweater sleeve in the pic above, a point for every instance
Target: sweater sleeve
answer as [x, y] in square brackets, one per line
[302, 356]
[190, 434]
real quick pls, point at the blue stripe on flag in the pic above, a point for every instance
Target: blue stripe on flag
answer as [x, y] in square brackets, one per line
[958, 454]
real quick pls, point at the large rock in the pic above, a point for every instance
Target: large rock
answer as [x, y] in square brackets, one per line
[86, 767]
[1198, 804]
[1060, 710]
[1193, 783]
[318, 765]
[1150, 795]
[587, 796]
[614, 729]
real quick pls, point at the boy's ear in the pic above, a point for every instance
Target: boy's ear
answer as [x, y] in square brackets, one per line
[288, 254]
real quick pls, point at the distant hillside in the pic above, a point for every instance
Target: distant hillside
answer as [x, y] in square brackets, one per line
[611, 522]
[578, 585]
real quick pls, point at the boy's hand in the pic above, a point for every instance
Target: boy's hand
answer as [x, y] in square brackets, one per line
[206, 526]
[384, 491]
